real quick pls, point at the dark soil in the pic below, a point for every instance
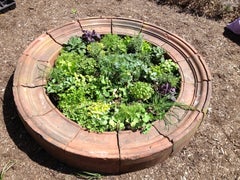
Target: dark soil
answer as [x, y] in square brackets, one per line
[213, 153]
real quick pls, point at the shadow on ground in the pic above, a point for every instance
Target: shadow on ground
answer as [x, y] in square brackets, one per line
[23, 140]
[230, 35]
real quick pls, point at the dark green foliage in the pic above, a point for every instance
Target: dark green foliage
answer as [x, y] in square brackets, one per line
[75, 44]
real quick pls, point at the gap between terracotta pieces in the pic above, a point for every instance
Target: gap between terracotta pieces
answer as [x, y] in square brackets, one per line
[111, 23]
[29, 86]
[43, 113]
[49, 34]
[119, 153]
[204, 110]
[165, 136]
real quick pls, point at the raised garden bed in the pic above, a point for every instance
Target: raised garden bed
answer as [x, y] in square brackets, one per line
[109, 152]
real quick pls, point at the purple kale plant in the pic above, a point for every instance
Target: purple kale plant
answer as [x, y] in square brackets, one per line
[90, 36]
[167, 90]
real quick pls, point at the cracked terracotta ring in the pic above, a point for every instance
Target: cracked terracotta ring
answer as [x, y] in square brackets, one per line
[109, 152]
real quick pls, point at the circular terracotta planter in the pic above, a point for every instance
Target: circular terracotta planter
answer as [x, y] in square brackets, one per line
[113, 152]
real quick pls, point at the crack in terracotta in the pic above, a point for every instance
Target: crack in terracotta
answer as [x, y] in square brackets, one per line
[49, 34]
[168, 138]
[32, 86]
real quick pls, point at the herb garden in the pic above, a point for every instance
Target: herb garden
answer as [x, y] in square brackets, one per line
[112, 83]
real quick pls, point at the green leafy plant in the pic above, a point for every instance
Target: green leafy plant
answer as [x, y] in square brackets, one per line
[141, 91]
[112, 82]
[75, 44]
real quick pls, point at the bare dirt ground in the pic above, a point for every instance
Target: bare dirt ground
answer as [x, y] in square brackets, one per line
[213, 153]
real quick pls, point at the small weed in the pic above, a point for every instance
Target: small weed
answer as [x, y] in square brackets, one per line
[227, 8]
[6, 168]
[88, 175]
[74, 11]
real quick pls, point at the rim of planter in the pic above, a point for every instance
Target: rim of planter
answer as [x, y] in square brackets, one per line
[109, 152]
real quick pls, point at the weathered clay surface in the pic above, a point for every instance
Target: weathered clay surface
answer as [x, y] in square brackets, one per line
[114, 152]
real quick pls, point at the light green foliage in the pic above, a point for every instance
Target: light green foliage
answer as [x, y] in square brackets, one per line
[97, 109]
[97, 113]
[87, 66]
[141, 91]
[114, 44]
[110, 85]
[95, 49]
[69, 67]
[135, 116]
[166, 71]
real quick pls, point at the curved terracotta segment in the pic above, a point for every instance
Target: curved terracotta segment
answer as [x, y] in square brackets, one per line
[185, 134]
[30, 73]
[94, 152]
[175, 118]
[180, 133]
[36, 62]
[200, 64]
[56, 149]
[44, 48]
[154, 34]
[62, 34]
[188, 75]
[187, 93]
[32, 101]
[138, 151]
[208, 97]
[115, 152]
[174, 53]
[190, 63]
[182, 44]
[31, 47]
[199, 70]
[126, 27]
[56, 127]
[101, 26]
[203, 96]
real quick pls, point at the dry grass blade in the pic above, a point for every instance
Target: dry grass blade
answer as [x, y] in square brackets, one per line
[6, 168]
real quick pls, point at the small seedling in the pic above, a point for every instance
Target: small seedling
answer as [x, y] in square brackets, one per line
[74, 11]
